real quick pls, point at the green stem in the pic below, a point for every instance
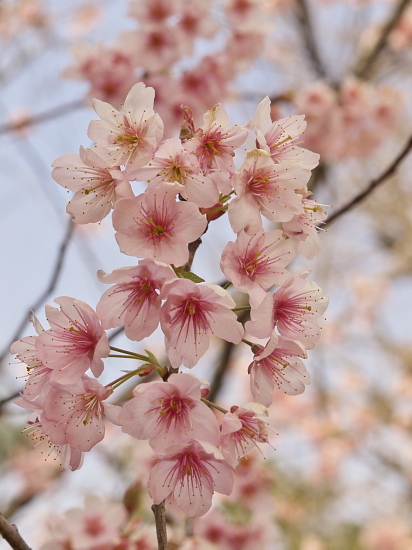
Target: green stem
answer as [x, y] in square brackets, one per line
[227, 285]
[243, 308]
[116, 383]
[131, 353]
[213, 405]
[248, 343]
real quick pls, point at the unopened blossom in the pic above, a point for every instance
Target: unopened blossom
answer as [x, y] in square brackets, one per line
[255, 263]
[280, 138]
[79, 410]
[170, 414]
[75, 342]
[215, 143]
[278, 365]
[129, 138]
[97, 525]
[264, 187]
[172, 163]
[96, 186]
[304, 228]
[153, 225]
[134, 300]
[241, 430]
[191, 313]
[293, 309]
[190, 476]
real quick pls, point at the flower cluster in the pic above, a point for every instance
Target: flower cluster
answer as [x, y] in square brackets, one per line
[191, 181]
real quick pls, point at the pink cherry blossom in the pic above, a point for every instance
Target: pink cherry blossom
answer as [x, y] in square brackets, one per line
[75, 343]
[96, 186]
[170, 414]
[78, 410]
[190, 314]
[189, 476]
[292, 309]
[264, 187]
[172, 163]
[278, 365]
[304, 228]
[39, 431]
[279, 138]
[37, 383]
[241, 430]
[214, 143]
[97, 526]
[134, 301]
[255, 263]
[128, 138]
[153, 225]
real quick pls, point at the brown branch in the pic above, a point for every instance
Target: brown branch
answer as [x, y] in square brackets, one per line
[160, 521]
[11, 534]
[364, 65]
[55, 112]
[373, 184]
[305, 22]
[53, 281]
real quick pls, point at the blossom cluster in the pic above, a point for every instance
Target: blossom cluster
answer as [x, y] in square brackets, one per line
[191, 181]
[166, 34]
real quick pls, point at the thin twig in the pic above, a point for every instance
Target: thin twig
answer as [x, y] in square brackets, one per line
[373, 184]
[305, 22]
[159, 512]
[53, 113]
[365, 63]
[51, 286]
[11, 534]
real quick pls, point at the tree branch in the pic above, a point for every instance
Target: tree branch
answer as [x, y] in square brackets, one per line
[55, 112]
[363, 67]
[11, 534]
[305, 23]
[160, 521]
[53, 281]
[373, 184]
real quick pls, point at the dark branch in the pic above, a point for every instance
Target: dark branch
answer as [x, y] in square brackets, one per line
[56, 112]
[160, 521]
[373, 184]
[11, 534]
[53, 281]
[305, 23]
[365, 63]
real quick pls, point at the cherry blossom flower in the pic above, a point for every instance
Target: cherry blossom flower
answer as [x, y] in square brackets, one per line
[241, 430]
[128, 138]
[96, 186]
[95, 526]
[279, 365]
[264, 187]
[75, 343]
[172, 163]
[279, 138]
[214, 143]
[170, 414]
[37, 383]
[255, 263]
[189, 476]
[292, 309]
[134, 301]
[304, 228]
[78, 410]
[153, 225]
[190, 314]
[40, 429]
